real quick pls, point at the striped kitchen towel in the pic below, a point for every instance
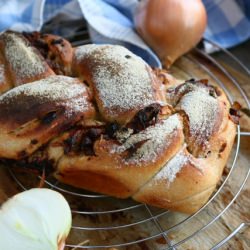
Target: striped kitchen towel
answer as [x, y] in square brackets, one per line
[111, 21]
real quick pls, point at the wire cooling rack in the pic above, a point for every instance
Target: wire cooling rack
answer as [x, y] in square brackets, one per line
[102, 222]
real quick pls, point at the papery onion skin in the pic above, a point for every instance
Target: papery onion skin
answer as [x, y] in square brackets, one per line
[37, 219]
[170, 27]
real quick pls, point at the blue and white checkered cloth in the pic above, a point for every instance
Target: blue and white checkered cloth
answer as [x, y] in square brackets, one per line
[111, 21]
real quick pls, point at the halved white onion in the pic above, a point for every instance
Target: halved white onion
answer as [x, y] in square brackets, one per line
[37, 219]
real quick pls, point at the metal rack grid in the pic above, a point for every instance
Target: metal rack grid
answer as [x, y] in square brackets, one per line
[152, 217]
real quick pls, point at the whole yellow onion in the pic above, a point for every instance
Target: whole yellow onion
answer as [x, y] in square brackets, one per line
[170, 27]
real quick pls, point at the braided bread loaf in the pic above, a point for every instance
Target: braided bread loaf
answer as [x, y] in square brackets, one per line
[101, 119]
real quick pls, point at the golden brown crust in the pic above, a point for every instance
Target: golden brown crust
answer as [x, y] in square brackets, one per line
[57, 102]
[23, 62]
[195, 179]
[121, 82]
[117, 165]
[57, 51]
[185, 190]
[192, 182]
[119, 128]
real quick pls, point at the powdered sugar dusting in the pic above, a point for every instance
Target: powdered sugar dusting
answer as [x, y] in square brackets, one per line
[174, 166]
[22, 58]
[202, 110]
[156, 139]
[2, 73]
[83, 51]
[54, 88]
[174, 96]
[121, 78]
